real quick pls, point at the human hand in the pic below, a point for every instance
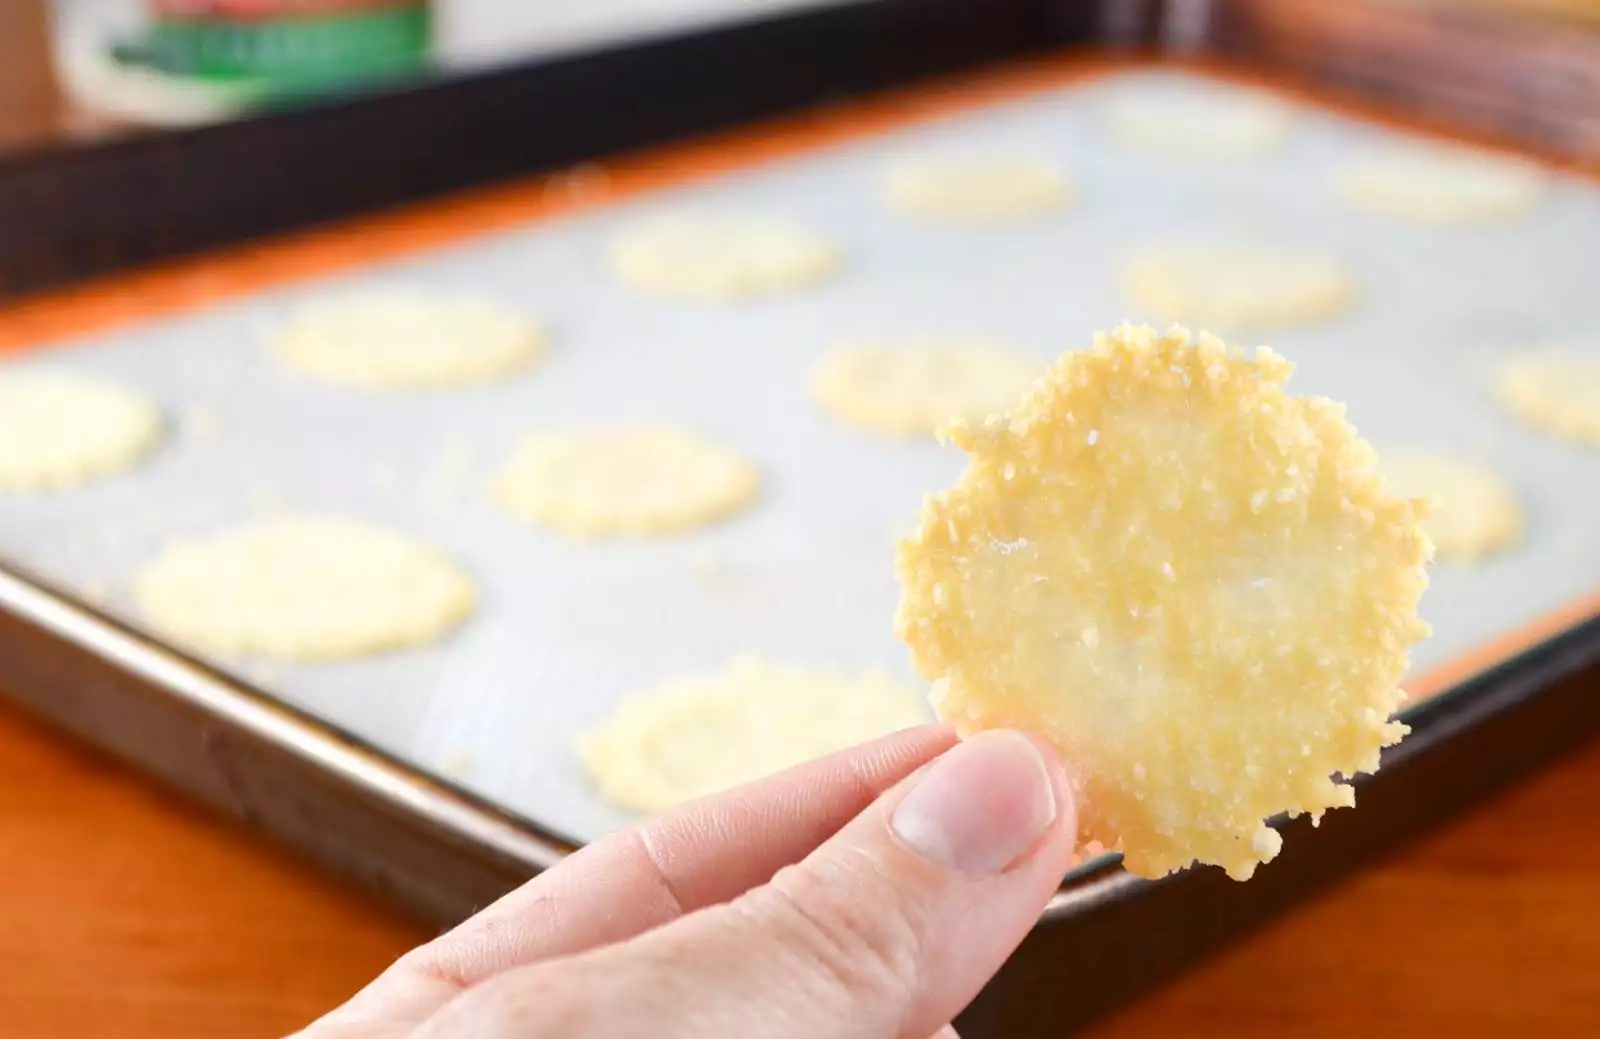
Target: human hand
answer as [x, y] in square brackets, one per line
[860, 896]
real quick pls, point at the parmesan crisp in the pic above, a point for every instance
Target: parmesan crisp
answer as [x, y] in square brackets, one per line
[1189, 581]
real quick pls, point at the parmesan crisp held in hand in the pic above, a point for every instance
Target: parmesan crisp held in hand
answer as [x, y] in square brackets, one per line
[1186, 579]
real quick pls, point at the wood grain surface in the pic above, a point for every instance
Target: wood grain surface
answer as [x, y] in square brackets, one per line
[126, 913]
[30, 104]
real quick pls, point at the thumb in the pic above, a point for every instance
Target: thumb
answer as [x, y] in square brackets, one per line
[892, 927]
[887, 930]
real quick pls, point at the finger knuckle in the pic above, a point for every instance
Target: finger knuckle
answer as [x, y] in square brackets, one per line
[542, 1000]
[869, 949]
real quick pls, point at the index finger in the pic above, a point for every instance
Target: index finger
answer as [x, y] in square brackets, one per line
[642, 876]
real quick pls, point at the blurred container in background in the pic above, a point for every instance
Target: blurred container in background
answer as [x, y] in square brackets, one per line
[180, 62]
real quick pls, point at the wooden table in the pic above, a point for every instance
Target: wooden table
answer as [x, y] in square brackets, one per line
[127, 913]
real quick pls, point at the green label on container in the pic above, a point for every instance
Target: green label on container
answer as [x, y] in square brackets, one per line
[288, 51]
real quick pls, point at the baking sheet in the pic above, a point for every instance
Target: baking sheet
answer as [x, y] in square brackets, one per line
[805, 577]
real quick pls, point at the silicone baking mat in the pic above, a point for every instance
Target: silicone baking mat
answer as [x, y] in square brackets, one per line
[804, 577]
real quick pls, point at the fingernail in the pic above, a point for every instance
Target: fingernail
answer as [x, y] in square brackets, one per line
[980, 806]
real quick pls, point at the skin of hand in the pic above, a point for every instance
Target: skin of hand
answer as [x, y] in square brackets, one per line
[867, 895]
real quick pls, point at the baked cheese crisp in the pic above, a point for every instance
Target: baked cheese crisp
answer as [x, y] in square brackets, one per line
[908, 388]
[59, 430]
[1436, 184]
[1557, 390]
[1188, 580]
[307, 588]
[1210, 123]
[630, 481]
[408, 340]
[698, 735]
[1472, 511]
[977, 190]
[1238, 286]
[721, 257]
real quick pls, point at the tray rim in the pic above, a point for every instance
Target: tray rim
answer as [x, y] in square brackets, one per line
[257, 712]
[1445, 695]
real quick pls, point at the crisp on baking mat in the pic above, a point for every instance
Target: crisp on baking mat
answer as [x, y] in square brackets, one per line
[637, 480]
[910, 387]
[1433, 184]
[700, 734]
[976, 190]
[60, 430]
[1188, 580]
[407, 340]
[305, 588]
[1238, 286]
[1557, 390]
[721, 257]
[1473, 511]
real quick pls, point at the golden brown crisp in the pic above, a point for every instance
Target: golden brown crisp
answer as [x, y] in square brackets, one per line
[1188, 580]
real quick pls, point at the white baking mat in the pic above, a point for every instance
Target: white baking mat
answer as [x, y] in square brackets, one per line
[805, 577]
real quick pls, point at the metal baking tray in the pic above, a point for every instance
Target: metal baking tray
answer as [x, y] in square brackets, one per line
[84, 206]
[805, 576]
[445, 776]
